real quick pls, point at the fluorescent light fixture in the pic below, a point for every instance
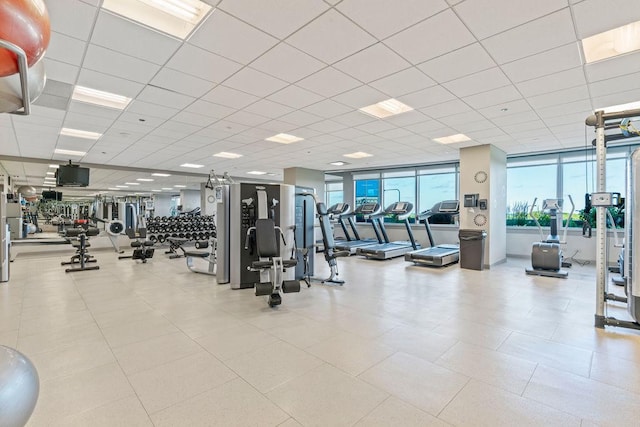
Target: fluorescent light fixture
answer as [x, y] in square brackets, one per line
[175, 17]
[387, 108]
[164, 188]
[144, 179]
[54, 166]
[99, 97]
[339, 163]
[191, 165]
[157, 191]
[452, 139]
[113, 189]
[271, 174]
[122, 186]
[358, 155]
[612, 43]
[132, 183]
[284, 138]
[256, 173]
[48, 178]
[180, 186]
[620, 107]
[227, 155]
[161, 174]
[77, 133]
[69, 152]
[51, 173]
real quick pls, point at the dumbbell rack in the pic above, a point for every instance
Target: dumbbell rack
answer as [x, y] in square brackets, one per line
[197, 228]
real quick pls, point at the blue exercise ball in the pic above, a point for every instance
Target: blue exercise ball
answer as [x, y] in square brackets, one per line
[19, 388]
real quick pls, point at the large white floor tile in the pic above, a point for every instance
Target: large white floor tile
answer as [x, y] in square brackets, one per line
[395, 412]
[125, 412]
[417, 341]
[326, 396]
[236, 341]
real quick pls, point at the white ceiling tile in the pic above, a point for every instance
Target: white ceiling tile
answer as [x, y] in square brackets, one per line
[327, 108]
[427, 97]
[596, 16]
[330, 38]
[403, 82]
[209, 109]
[612, 67]
[268, 109]
[375, 126]
[216, 32]
[65, 49]
[295, 97]
[182, 83]
[513, 119]
[287, 63]
[372, 63]
[479, 82]
[117, 64]
[165, 98]
[561, 110]
[148, 109]
[193, 118]
[96, 80]
[408, 118]
[628, 82]
[510, 107]
[279, 18]
[247, 119]
[460, 119]
[445, 109]
[559, 97]
[94, 110]
[203, 64]
[444, 33]
[254, 82]
[229, 97]
[616, 99]
[557, 81]
[383, 18]
[354, 118]
[329, 82]
[77, 24]
[461, 62]
[300, 118]
[60, 71]
[125, 36]
[553, 61]
[534, 37]
[360, 97]
[327, 126]
[493, 97]
[488, 17]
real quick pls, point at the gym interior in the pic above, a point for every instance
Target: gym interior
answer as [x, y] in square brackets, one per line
[319, 213]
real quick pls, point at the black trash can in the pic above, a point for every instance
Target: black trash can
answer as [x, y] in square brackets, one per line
[472, 249]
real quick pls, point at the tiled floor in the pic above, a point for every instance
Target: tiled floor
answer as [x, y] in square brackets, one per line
[154, 344]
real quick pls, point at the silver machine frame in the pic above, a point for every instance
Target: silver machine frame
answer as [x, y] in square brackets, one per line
[601, 202]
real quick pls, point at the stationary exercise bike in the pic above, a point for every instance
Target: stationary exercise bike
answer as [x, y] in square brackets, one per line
[546, 255]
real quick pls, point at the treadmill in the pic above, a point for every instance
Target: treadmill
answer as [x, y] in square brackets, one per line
[337, 213]
[436, 255]
[369, 211]
[401, 210]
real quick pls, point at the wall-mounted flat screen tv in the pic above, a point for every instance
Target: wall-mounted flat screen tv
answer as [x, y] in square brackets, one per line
[72, 176]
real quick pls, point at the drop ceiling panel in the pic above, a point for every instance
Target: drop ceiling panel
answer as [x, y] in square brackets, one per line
[198, 62]
[77, 24]
[479, 82]
[445, 109]
[146, 109]
[383, 18]
[488, 17]
[165, 98]
[192, 118]
[327, 108]
[287, 63]
[65, 49]
[461, 62]
[330, 38]
[131, 39]
[279, 18]
[60, 71]
[545, 33]
[403, 82]
[217, 30]
[493, 97]
[372, 63]
[229, 97]
[104, 82]
[613, 67]
[559, 97]
[427, 97]
[182, 83]
[360, 97]
[269, 109]
[255, 82]
[430, 38]
[295, 97]
[553, 82]
[208, 109]
[546, 63]
[595, 16]
[117, 64]
[628, 82]
[329, 82]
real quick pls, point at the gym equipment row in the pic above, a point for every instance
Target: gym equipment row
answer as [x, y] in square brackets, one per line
[160, 229]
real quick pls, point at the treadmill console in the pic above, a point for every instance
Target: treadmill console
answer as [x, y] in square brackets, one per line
[338, 209]
[449, 206]
[368, 208]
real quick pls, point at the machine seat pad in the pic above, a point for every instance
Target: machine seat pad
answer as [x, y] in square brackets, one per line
[289, 263]
[76, 243]
[196, 254]
[136, 244]
[261, 264]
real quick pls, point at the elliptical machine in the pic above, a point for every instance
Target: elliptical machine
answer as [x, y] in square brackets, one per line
[546, 255]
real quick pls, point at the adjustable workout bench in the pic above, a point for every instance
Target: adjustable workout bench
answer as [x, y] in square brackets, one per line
[142, 249]
[266, 241]
[79, 239]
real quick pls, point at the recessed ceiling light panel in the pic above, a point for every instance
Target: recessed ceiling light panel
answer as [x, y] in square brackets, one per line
[122, 186]
[452, 139]
[144, 179]
[180, 186]
[226, 155]
[175, 17]
[358, 155]
[69, 152]
[191, 165]
[132, 183]
[99, 97]
[284, 138]
[77, 133]
[54, 166]
[339, 163]
[161, 174]
[384, 109]
[256, 173]
[612, 43]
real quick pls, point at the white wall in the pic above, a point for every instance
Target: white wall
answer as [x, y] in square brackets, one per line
[189, 199]
[162, 205]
